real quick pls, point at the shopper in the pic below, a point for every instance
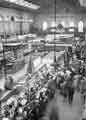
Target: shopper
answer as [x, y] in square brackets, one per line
[53, 112]
[70, 94]
[69, 88]
[83, 90]
[64, 91]
[78, 51]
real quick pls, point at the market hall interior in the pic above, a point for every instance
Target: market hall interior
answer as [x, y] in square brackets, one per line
[42, 60]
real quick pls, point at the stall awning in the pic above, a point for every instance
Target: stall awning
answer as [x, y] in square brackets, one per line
[12, 44]
[64, 45]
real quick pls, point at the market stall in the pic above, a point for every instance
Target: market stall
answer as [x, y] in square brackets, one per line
[33, 92]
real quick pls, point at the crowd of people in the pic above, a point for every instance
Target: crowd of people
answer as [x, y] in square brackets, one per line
[32, 103]
[73, 76]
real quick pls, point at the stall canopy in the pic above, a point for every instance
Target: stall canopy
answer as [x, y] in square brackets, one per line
[12, 44]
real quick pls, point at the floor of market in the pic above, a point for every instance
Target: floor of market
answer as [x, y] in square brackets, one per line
[64, 110]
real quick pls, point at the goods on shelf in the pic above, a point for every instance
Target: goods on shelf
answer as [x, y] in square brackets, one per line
[35, 95]
[24, 104]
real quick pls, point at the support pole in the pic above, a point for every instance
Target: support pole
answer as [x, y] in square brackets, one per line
[4, 58]
[55, 35]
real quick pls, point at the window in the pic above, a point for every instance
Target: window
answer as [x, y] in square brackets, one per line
[45, 26]
[63, 23]
[53, 24]
[80, 26]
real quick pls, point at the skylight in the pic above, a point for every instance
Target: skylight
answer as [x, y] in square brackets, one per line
[25, 4]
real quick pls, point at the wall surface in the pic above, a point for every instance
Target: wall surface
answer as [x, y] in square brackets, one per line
[15, 13]
[66, 18]
[14, 27]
